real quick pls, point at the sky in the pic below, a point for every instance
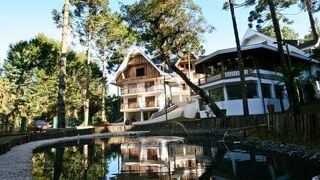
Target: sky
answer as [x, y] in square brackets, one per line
[24, 19]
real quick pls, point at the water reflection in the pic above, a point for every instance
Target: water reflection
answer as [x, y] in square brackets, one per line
[162, 158]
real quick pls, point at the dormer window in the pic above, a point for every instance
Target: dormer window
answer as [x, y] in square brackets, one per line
[140, 71]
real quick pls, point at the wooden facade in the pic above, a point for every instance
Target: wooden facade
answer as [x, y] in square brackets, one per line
[138, 67]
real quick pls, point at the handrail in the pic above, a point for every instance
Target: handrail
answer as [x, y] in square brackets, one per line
[227, 74]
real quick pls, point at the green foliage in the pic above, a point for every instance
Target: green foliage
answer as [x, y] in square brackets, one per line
[315, 5]
[261, 14]
[309, 36]
[89, 161]
[286, 32]
[30, 68]
[167, 29]
[115, 38]
[30, 81]
[112, 105]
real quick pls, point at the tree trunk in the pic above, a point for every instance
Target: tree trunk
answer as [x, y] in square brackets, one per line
[103, 111]
[289, 82]
[58, 163]
[240, 61]
[214, 108]
[62, 73]
[88, 73]
[311, 19]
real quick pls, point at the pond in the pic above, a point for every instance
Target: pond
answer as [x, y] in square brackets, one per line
[163, 157]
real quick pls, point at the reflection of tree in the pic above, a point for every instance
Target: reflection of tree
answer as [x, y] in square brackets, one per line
[58, 163]
[43, 165]
[88, 161]
[209, 170]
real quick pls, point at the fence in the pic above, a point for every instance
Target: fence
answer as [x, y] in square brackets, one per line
[10, 141]
[306, 125]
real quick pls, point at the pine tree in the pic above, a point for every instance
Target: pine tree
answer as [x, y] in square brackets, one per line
[63, 63]
[170, 30]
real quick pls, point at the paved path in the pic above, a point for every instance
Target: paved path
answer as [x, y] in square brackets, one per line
[17, 163]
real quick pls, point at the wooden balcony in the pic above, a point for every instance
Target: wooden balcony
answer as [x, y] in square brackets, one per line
[236, 74]
[141, 89]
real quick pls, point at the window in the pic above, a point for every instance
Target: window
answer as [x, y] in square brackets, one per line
[149, 84]
[184, 87]
[152, 154]
[132, 88]
[252, 90]
[132, 103]
[279, 91]
[187, 66]
[266, 90]
[234, 92]
[132, 100]
[217, 94]
[150, 101]
[140, 72]
[134, 154]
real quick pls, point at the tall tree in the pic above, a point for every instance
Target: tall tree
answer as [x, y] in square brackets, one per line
[272, 7]
[240, 60]
[30, 75]
[311, 6]
[169, 30]
[31, 68]
[87, 18]
[114, 39]
[63, 63]
[262, 16]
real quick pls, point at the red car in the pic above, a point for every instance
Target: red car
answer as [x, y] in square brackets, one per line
[39, 125]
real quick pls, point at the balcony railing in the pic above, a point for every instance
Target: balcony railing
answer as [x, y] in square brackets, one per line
[141, 89]
[136, 105]
[236, 73]
[133, 105]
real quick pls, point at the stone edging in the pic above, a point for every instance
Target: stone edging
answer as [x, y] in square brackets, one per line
[291, 150]
[17, 163]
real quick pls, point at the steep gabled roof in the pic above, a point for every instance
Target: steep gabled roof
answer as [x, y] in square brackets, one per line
[124, 64]
[250, 33]
[258, 37]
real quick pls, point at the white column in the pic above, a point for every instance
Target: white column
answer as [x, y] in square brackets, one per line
[225, 93]
[141, 115]
[124, 116]
[273, 92]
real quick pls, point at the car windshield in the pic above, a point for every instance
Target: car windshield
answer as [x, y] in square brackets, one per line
[40, 123]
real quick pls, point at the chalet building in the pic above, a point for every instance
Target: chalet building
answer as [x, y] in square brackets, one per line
[187, 66]
[147, 87]
[264, 81]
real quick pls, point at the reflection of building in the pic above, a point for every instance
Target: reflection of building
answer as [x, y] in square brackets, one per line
[165, 157]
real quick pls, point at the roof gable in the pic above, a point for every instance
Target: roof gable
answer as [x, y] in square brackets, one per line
[126, 61]
[253, 37]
